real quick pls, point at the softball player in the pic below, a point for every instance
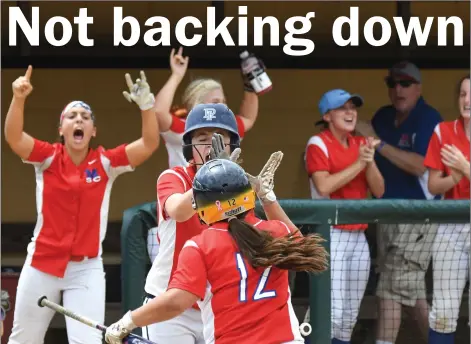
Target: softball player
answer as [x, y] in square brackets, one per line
[172, 118]
[341, 166]
[178, 221]
[200, 91]
[73, 185]
[448, 161]
[236, 269]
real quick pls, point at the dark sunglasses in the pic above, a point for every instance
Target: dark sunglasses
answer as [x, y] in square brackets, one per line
[391, 83]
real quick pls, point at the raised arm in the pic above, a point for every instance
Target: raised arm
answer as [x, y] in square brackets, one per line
[20, 142]
[164, 99]
[141, 149]
[249, 109]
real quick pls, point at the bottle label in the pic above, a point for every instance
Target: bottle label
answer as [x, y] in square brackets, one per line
[261, 82]
[249, 65]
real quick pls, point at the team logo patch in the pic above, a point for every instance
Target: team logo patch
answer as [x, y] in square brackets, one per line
[209, 114]
[404, 141]
[92, 176]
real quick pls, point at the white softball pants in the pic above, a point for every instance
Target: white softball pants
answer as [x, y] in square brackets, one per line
[187, 328]
[450, 254]
[350, 269]
[83, 291]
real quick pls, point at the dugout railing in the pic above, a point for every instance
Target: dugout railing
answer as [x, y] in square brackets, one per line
[311, 216]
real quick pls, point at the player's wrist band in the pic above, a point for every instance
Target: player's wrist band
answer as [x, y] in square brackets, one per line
[380, 146]
[268, 198]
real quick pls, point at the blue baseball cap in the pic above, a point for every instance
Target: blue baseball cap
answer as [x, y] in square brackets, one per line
[334, 99]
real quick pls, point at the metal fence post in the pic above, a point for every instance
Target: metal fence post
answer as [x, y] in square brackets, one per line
[319, 297]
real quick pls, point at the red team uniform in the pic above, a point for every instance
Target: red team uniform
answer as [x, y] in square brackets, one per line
[451, 247]
[350, 257]
[171, 236]
[64, 255]
[449, 133]
[239, 304]
[173, 142]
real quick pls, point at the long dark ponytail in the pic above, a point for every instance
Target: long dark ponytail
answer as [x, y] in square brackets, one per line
[291, 252]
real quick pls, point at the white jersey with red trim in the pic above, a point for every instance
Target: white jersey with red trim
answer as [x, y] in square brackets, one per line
[72, 203]
[173, 142]
[239, 303]
[172, 235]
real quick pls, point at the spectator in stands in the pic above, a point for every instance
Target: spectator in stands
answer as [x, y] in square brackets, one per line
[404, 251]
[448, 161]
[342, 166]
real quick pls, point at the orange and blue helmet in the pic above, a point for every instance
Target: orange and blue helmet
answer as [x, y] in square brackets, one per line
[221, 190]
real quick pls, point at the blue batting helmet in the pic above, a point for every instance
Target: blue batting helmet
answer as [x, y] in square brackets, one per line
[209, 116]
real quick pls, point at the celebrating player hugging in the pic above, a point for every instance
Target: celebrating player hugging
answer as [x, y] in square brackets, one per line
[73, 183]
[178, 221]
[236, 270]
[172, 118]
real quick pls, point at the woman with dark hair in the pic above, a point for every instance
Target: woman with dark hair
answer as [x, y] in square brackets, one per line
[237, 269]
[73, 187]
[448, 162]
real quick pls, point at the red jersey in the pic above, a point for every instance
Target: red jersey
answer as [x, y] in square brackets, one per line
[239, 304]
[72, 203]
[174, 138]
[172, 235]
[325, 153]
[451, 133]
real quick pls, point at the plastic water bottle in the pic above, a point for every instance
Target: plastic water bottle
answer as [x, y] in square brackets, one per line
[256, 74]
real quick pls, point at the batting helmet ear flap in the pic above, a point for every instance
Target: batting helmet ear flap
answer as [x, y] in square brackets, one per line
[187, 146]
[234, 142]
[188, 152]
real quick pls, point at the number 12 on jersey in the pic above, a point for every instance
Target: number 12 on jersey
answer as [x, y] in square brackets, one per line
[260, 293]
